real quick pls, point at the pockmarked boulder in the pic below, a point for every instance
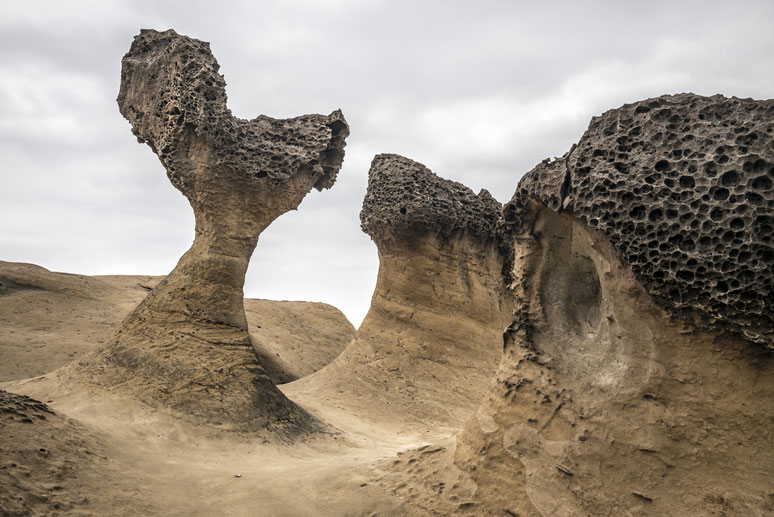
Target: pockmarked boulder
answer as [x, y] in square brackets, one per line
[681, 185]
[186, 346]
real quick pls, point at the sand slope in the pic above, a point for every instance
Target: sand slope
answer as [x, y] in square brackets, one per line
[47, 319]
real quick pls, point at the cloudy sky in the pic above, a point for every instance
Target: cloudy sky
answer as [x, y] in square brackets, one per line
[479, 91]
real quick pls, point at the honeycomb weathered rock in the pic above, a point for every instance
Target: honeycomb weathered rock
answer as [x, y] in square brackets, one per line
[406, 199]
[432, 337]
[171, 90]
[682, 187]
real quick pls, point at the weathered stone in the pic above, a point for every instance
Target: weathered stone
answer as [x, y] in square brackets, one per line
[682, 187]
[603, 402]
[433, 334]
[186, 346]
[405, 200]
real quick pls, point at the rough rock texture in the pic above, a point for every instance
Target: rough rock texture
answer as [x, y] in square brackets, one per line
[48, 319]
[186, 347]
[405, 199]
[431, 340]
[682, 187]
[604, 402]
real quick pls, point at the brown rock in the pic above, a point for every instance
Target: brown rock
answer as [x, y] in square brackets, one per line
[422, 358]
[49, 319]
[681, 185]
[607, 401]
[49, 464]
[186, 347]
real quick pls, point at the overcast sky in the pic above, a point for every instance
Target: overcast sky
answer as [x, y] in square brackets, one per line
[479, 91]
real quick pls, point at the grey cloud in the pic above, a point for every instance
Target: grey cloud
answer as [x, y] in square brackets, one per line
[478, 91]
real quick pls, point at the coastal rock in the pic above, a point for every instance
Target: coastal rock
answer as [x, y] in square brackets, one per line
[425, 352]
[613, 395]
[186, 347]
[681, 185]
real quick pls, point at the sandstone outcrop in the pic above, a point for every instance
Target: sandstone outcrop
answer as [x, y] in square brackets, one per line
[633, 380]
[186, 346]
[431, 340]
[48, 463]
[682, 187]
[295, 339]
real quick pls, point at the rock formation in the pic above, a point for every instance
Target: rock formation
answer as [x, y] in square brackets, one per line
[635, 378]
[295, 339]
[682, 187]
[431, 340]
[186, 347]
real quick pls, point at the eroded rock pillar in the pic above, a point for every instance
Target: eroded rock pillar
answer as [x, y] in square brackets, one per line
[431, 340]
[186, 346]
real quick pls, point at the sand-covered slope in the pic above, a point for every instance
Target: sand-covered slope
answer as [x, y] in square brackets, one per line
[422, 358]
[614, 397]
[295, 339]
[48, 319]
[49, 465]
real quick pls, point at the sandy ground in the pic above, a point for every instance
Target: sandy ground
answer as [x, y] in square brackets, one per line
[107, 454]
[48, 319]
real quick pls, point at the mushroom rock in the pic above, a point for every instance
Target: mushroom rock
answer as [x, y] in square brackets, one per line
[636, 377]
[186, 346]
[431, 340]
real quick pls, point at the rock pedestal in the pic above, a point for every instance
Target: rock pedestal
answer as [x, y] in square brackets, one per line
[186, 346]
[425, 352]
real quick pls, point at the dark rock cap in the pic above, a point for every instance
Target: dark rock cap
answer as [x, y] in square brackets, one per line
[681, 185]
[405, 199]
[170, 88]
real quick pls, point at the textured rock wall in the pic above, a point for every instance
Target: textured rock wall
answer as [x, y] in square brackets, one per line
[608, 401]
[682, 187]
[432, 337]
[186, 347]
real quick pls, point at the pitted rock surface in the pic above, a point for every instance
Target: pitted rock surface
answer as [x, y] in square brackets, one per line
[406, 199]
[682, 187]
[171, 90]
[186, 347]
